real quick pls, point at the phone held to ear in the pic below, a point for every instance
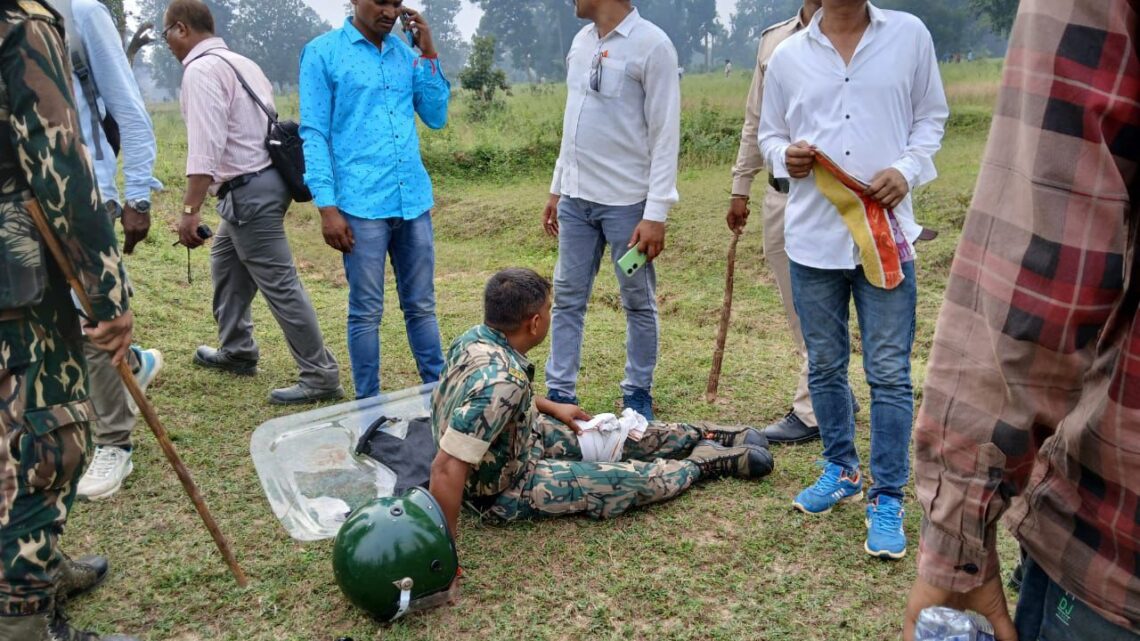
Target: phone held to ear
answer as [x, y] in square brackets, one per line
[632, 261]
[413, 37]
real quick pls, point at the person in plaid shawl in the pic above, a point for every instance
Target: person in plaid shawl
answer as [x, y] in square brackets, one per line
[1031, 407]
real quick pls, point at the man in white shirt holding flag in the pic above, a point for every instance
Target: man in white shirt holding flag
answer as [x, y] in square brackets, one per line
[859, 90]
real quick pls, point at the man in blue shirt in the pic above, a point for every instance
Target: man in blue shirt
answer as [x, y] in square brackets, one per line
[361, 88]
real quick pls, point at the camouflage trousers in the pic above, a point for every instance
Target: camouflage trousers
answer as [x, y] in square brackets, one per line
[38, 477]
[559, 483]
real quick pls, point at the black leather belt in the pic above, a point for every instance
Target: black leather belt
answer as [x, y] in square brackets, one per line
[240, 181]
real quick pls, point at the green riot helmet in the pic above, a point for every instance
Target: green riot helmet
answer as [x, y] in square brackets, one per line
[395, 554]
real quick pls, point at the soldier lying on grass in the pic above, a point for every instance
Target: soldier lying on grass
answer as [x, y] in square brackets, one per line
[512, 455]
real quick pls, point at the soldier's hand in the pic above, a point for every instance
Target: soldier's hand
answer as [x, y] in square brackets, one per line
[738, 212]
[568, 414]
[113, 336]
[136, 227]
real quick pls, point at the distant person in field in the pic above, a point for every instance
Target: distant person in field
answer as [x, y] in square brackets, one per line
[614, 183]
[856, 96]
[226, 156]
[727, 68]
[799, 425]
[1030, 407]
[361, 89]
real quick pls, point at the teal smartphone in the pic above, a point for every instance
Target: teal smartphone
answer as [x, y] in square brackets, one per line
[632, 261]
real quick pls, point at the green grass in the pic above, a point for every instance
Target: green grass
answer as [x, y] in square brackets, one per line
[728, 560]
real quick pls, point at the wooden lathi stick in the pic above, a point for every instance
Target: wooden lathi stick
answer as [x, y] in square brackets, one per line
[132, 385]
[725, 315]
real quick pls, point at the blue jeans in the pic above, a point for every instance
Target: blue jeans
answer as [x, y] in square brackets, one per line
[886, 320]
[410, 245]
[1046, 612]
[584, 231]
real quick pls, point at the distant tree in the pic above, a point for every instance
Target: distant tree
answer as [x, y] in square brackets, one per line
[1000, 13]
[689, 23]
[480, 75]
[118, 13]
[271, 34]
[441, 15]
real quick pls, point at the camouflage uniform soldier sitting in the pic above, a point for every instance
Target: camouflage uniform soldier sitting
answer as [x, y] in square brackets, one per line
[514, 456]
[44, 410]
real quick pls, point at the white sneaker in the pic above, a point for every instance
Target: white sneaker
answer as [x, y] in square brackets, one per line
[109, 467]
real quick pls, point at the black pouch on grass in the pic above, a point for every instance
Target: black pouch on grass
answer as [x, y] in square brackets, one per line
[409, 457]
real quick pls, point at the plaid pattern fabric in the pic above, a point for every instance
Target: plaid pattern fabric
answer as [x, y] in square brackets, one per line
[1032, 400]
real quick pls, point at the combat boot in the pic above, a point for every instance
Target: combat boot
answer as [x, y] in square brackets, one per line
[79, 576]
[732, 435]
[48, 627]
[741, 461]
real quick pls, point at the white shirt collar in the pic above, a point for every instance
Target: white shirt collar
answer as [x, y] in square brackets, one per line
[878, 17]
[625, 27]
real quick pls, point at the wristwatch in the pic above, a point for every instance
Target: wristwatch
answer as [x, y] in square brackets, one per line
[142, 205]
[188, 210]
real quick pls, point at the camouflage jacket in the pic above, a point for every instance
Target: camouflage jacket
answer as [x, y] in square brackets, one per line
[42, 157]
[483, 410]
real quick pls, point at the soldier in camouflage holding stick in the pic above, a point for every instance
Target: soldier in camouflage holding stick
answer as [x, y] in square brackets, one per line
[513, 456]
[44, 410]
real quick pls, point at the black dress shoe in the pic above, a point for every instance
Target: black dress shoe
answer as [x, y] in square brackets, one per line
[790, 430]
[213, 359]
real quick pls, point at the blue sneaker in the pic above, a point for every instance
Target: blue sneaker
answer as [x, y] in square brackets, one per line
[150, 363]
[641, 402]
[885, 536]
[836, 485]
[555, 396]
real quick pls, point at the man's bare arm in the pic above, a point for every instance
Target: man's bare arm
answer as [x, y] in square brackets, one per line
[448, 476]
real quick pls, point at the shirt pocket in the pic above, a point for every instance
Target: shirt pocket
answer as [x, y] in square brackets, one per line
[613, 78]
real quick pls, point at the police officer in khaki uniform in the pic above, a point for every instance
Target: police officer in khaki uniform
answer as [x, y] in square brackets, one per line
[45, 414]
[799, 425]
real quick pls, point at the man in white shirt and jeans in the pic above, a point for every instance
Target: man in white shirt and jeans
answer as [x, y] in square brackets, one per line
[614, 183]
[861, 85]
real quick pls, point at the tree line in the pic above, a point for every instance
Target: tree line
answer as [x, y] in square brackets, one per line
[533, 36]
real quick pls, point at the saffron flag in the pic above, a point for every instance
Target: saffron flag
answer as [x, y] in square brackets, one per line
[882, 245]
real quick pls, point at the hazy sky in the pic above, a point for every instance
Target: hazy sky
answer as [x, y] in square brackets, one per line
[333, 11]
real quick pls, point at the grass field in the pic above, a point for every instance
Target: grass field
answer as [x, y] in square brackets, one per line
[728, 560]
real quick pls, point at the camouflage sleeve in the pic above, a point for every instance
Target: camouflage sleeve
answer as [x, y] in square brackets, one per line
[489, 404]
[49, 147]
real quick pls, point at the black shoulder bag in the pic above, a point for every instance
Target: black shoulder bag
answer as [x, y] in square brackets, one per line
[282, 141]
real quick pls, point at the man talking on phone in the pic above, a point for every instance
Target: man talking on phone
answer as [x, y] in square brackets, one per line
[614, 183]
[361, 88]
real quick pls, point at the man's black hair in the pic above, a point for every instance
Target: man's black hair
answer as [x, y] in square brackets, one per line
[512, 296]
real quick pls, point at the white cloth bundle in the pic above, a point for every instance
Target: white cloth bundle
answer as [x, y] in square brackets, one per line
[603, 437]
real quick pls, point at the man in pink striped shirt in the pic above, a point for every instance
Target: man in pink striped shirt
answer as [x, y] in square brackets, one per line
[226, 156]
